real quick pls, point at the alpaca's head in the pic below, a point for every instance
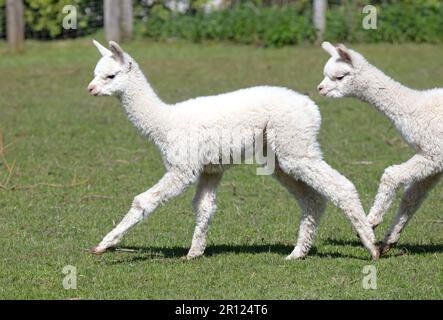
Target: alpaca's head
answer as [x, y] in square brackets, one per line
[340, 71]
[112, 71]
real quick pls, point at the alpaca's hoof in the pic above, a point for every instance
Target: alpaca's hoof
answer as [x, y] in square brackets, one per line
[97, 250]
[376, 255]
[195, 252]
[385, 247]
[294, 257]
[192, 256]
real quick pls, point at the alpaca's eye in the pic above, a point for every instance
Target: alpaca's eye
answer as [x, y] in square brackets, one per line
[112, 76]
[340, 77]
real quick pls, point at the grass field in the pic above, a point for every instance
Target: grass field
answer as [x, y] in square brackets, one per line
[72, 164]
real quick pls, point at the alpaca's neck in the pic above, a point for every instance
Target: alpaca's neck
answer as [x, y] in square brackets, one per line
[144, 108]
[387, 95]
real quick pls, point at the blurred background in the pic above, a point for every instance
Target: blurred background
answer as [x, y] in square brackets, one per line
[269, 23]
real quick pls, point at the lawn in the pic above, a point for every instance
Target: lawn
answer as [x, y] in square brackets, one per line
[73, 163]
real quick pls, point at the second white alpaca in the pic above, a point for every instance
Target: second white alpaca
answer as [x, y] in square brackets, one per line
[286, 121]
[418, 115]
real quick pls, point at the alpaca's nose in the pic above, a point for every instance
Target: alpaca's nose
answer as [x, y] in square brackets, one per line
[92, 88]
[320, 87]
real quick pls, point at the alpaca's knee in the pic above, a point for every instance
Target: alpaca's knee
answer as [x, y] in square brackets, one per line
[350, 201]
[390, 178]
[411, 196]
[347, 195]
[196, 203]
[144, 202]
[350, 188]
[320, 203]
[203, 202]
[137, 203]
[314, 203]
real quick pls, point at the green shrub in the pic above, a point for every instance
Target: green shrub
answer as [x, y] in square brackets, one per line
[44, 17]
[251, 23]
[244, 23]
[255, 22]
[401, 21]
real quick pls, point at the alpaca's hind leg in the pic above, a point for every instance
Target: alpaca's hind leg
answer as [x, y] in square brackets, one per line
[313, 206]
[342, 193]
[413, 197]
[415, 169]
[204, 206]
[170, 185]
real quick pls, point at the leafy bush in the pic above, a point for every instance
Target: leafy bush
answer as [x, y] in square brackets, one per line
[259, 22]
[44, 17]
[401, 21]
[251, 23]
[243, 23]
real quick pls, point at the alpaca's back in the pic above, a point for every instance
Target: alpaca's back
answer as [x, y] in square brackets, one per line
[252, 107]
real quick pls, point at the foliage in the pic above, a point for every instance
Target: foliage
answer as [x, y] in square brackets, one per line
[402, 21]
[252, 22]
[269, 23]
[243, 23]
[44, 18]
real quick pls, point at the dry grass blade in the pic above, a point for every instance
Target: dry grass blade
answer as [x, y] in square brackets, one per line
[10, 173]
[434, 221]
[9, 168]
[50, 185]
[363, 163]
[95, 196]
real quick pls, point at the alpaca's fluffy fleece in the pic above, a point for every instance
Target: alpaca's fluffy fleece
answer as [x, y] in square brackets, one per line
[418, 116]
[199, 138]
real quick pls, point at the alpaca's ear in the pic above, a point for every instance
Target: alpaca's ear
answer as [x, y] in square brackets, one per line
[329, 48]
[344, 54]
[103, 51]
[117, 52]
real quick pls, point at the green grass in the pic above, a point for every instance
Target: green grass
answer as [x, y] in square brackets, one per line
[79, 163]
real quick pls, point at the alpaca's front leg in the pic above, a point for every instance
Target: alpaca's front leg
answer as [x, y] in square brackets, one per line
[170, 185]
[415, 169]
[411, 201]
[204, 206]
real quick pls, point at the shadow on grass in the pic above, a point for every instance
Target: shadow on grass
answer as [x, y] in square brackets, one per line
[179, 253]
[404, 248]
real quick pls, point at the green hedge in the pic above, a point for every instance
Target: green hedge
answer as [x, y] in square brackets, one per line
[249, 21]
[44, 18]
[404, 21]
[398, 21]
[246, 23]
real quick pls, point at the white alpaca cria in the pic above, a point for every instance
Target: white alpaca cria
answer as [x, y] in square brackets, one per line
[287, 122]
[418, 115]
